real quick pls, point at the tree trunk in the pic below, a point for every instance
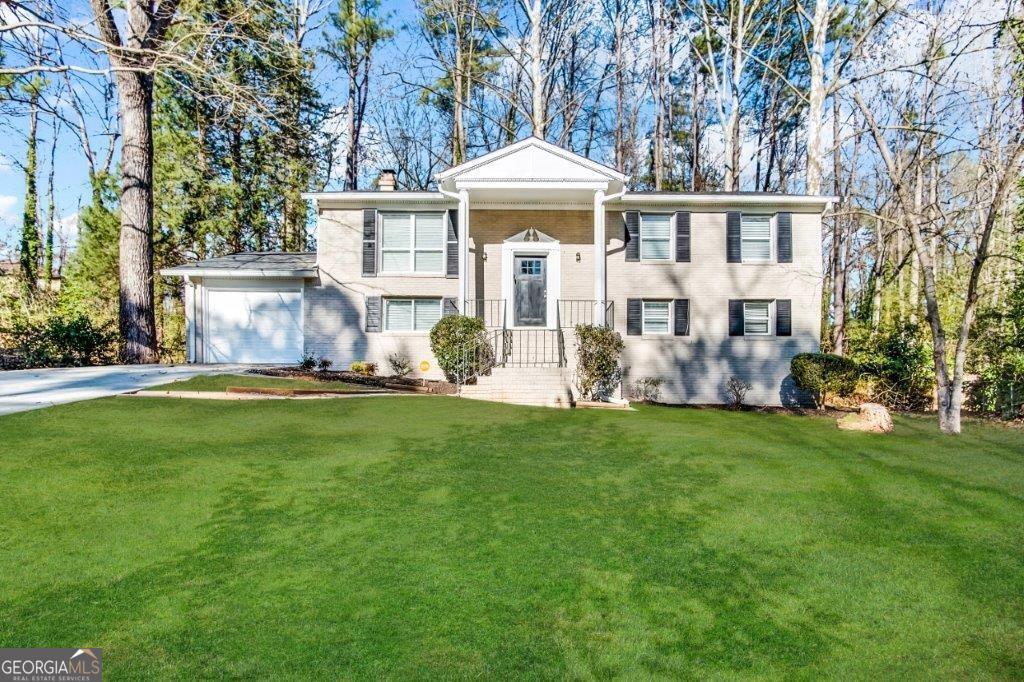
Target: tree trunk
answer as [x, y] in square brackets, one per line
[352, 144]
[538, 117]
[30, 222]
[51, 211]
[620, 96]
[816, 96]
[838, 246]
[137, 319]
[879, 275]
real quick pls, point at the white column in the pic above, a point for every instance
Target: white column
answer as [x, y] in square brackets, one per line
[600, 293]
[463, 249]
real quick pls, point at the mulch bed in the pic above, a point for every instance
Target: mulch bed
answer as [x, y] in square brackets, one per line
[392, 383]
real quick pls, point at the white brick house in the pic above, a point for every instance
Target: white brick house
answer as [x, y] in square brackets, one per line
[534, 239]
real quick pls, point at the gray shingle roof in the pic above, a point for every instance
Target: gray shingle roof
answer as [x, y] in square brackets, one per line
[255, 262]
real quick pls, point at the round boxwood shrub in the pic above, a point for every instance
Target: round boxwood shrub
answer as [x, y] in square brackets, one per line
[449, 340]
[823, 374]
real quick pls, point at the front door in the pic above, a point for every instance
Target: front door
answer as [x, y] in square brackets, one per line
[530, 284]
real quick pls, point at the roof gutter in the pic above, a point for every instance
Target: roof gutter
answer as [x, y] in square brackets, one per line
[249, 273]
[729, 200]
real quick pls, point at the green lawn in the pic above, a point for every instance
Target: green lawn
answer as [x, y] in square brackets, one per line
[423, 537]
[220, 382]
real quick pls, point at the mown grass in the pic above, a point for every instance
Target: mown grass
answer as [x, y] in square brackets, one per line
[220, 382]
[418, 537]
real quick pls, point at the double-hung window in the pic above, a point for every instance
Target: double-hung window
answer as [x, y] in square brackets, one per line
[757, 317]
[656, 317]
[756, 238]
[411, 314]
[412, 243]
[655, 236]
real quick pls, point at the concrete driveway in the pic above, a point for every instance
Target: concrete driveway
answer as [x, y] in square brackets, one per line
[30, 389]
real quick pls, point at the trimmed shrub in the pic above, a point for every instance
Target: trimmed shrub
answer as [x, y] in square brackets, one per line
[307, 361]
[646, 389]
[62, 339]
[362, 367]
[597, 361]
[737, 390]
[450, 340]
[400, 364]
[823, 374]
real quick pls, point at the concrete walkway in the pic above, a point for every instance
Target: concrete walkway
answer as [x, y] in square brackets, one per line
[30, 389]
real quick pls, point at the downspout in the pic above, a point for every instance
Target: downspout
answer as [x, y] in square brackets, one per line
[462, 196]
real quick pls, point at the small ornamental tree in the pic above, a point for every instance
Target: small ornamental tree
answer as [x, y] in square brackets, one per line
[597, 361]
[823, 374]
[457, 342]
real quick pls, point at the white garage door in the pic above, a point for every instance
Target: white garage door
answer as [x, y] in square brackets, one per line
[253, 322]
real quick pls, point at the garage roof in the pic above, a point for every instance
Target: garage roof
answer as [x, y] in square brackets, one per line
[250, 264]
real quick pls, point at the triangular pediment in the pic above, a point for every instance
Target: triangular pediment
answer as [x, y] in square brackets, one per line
[531, 160]
[530, 235]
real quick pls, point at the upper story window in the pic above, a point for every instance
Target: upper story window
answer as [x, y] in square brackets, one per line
[411, 314]
[756, 238]
[655, 236]
[412, 243]
[757, 317]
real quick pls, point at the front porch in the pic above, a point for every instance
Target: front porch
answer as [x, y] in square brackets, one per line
[531, 240]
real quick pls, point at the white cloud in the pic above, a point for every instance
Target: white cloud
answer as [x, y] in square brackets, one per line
[66, 228]
[8, 206]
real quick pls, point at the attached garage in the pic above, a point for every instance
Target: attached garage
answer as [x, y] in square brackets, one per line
[246, 308]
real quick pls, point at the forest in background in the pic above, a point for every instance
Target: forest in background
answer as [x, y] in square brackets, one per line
[201, 123]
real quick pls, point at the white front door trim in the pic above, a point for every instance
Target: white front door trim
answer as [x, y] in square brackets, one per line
[553, 252]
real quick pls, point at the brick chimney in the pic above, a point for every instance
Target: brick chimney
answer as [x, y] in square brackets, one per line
[387, 181]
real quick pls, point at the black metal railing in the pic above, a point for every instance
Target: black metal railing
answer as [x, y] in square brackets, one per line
[572, 312]
[480, 356]
[490, 310]
[534, 348]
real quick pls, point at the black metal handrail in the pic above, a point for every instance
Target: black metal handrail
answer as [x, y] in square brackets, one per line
[490, 310]
[539, 347]
[480, 356]
[572, 312]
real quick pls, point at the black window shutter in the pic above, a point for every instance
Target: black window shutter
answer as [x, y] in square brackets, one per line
[682, 236]
[449, 306]
[632, 236]
[732, 237]
[369, 242]
[783, 317]
[634, 316]
[735, 317]
[452, 243]
[373, 313]
[681, 309]
[784, 237]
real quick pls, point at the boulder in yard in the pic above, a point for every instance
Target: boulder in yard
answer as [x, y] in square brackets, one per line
[872, 417]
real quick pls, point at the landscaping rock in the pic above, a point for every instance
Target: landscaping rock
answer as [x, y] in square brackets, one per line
[873, 418]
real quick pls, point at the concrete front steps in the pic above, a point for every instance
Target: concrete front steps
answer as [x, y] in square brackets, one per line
[544, 386]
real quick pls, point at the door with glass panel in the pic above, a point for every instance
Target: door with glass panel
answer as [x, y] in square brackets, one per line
[529, 279]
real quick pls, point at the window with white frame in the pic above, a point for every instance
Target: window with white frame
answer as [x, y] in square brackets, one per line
[757, 318]
[756, 238]
[655, 236]
[656, 317]
[411, 314]
[412, 243]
